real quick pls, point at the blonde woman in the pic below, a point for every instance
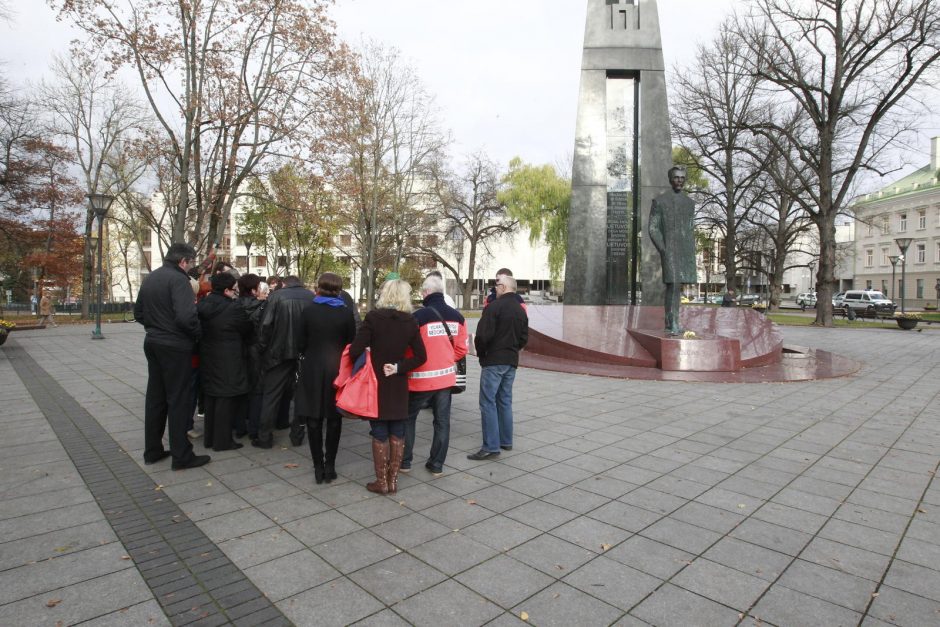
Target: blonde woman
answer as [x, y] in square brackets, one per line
[389, 330]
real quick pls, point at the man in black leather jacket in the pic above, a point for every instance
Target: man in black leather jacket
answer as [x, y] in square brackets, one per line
[278, 346]
[167, 309]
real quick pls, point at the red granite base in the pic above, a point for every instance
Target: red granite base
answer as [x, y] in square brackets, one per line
[703, 352]
[735, 345]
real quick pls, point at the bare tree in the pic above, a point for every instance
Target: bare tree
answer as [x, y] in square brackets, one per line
[471, 215]
[98, 118]
[851, 69]
[387, 145]
[230, 83]
[713, 103]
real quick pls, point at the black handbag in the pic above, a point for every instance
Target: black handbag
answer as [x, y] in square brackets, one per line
[460, 366]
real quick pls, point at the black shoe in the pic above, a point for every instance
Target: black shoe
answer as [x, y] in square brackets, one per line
[258, 443]
[482, 454]
[437, 472]
[233, 447]
[161, 457]
[505, 448]
[330, 473]
[318, 474]
[296, 440]
[195, 462]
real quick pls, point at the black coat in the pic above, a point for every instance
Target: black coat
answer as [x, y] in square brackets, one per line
[502, 332]
[167, 308]
[390, 333]
[325, 333]
[223, 368]
[254, 309]
[280, 329]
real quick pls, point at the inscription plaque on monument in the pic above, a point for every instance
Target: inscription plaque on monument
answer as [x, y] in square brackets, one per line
[619, 215]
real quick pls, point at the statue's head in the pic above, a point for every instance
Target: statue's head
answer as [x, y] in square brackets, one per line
[677, 177]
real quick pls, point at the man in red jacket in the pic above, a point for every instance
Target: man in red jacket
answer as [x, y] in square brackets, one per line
[430, 383]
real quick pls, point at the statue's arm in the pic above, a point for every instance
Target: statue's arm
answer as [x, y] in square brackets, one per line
[655, 226]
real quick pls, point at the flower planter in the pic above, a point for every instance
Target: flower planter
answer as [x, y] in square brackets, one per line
[907, 323]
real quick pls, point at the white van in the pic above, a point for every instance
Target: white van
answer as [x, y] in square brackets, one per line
[867, 301]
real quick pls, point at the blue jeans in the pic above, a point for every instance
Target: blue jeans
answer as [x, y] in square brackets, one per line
[439, 401]
[381, 429]
[496, 406]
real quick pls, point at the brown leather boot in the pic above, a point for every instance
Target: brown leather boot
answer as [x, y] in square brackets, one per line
[397, 446]
[380, 454]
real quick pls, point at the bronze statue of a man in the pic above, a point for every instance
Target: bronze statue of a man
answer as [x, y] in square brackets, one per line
[670, 230]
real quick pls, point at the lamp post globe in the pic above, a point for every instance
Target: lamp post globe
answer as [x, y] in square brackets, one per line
[100, 203]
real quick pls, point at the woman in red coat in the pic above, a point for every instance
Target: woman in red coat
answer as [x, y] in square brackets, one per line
[389, 330]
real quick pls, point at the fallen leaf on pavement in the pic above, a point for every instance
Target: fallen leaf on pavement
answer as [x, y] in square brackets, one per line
[606, 547]
[524, 615]
[53, 602]
[291, 465]
[471, 502]
[125, 557]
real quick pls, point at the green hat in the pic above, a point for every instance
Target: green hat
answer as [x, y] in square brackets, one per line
[392, 276]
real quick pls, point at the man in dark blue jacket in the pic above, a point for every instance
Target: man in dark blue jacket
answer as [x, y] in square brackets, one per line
[167, 309]
[502, 332]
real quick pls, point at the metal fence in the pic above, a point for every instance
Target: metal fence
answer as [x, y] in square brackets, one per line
[68, 309]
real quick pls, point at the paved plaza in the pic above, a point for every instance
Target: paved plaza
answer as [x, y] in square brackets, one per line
[622, 502]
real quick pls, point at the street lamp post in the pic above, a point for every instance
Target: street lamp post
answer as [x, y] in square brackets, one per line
[894, 264]
[100, 203]
[458, 257]
[903, 243]
[812, 275]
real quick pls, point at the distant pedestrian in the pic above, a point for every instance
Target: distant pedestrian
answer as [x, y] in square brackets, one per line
[34, 304]
[47, 310]
[327, 326]
[728, 299]
[502, 332]
[389, 330]
[166, 308]
[447, 299]
[431, 382]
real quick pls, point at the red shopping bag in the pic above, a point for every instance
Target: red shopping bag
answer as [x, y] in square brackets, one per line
[357, 395]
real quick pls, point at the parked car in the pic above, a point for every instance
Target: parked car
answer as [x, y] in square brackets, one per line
[806, 299]
[837, 299]
[748, 299]
[867, 301]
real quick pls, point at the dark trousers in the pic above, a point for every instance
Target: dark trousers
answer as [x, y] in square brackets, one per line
[221, 412]
[278, 385]
[169, 402]
[334, 428]
[439, 401]
[253, 414]
[381, 429]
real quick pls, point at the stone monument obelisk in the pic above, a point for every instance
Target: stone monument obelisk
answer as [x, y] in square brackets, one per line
[622, 147]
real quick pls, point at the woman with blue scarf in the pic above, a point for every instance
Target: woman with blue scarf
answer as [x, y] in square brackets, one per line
[327, 327]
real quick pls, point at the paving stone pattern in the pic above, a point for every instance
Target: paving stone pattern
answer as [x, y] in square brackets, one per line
[622, 502]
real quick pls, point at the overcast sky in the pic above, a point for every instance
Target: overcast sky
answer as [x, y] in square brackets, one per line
[504, 73]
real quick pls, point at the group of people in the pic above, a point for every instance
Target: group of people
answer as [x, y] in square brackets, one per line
[257, 352]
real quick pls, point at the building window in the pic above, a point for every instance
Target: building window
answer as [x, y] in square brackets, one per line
[884, 257]
[885, 226]
[868, 284]
[871, 229]
[937, 259]
[920, 288]
[869, 258]
[241, 261]
[345, 240]
[902, 223]
[261, 260]
[921, 219]
[921, 253]
[884, 286]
